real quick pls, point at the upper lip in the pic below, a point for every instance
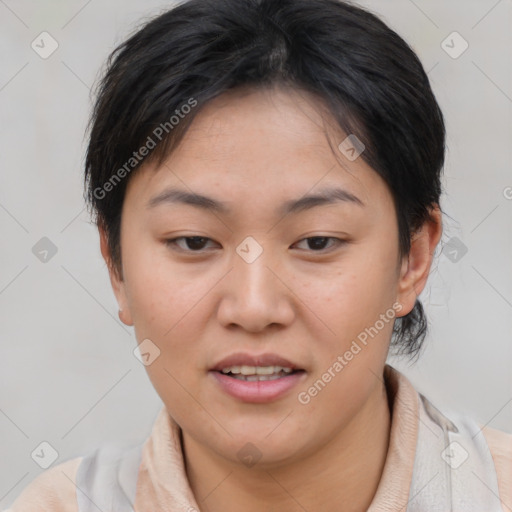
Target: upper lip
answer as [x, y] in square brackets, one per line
[244, 359]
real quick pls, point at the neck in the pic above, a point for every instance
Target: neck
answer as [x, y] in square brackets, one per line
[345, 472]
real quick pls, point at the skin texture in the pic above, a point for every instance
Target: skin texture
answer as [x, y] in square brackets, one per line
[254, 150]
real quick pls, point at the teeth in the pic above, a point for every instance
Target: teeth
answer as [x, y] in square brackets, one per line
[256, 370]
[254, 378]
[232, 369]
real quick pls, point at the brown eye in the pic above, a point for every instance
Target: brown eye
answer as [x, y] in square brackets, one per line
[189, 243]
[319, 243]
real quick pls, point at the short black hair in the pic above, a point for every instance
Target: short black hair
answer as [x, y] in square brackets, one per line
[372, 82]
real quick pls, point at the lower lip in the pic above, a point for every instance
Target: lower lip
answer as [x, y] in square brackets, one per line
[257, 391]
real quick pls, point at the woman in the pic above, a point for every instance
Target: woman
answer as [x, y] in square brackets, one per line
[265, 177]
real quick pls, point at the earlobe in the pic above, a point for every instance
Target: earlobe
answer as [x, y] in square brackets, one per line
[116, 280]
[416, 265]
[126, 319]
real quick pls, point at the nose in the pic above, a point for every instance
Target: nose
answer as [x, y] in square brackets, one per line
[255, 296]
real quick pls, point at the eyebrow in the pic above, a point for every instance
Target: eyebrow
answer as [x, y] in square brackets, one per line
[327, 196]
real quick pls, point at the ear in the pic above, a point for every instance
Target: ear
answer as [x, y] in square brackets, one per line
[415, 267]
[116, 280]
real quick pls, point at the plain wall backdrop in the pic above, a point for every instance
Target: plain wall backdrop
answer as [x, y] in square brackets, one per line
[67, 369]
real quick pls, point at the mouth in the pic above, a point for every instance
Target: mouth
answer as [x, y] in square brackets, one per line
[257, 378]
[258, 373]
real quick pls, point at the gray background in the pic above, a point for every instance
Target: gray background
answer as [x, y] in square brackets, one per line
[68, 375]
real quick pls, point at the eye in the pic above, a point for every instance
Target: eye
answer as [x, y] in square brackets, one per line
[318, 243]
[197, 244]
[188, 243]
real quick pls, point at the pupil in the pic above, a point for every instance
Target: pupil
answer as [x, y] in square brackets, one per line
[195, 242]
[313, 242]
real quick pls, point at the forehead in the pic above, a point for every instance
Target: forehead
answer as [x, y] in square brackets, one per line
[270, 125]
[260, 145]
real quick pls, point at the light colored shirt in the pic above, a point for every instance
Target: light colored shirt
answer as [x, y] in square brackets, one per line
[162, 484]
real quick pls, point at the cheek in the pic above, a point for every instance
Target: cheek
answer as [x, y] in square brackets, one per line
[357, 291]
[147, 269]
[166, 305]
[350, 303]
[162, 295]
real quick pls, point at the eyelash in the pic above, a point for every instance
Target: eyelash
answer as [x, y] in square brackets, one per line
[172, 243]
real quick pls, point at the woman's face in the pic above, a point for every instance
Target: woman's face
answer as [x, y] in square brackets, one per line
[272, 279]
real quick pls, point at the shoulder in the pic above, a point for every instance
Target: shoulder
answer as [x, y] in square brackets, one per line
[54, 490]
[500, 446]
